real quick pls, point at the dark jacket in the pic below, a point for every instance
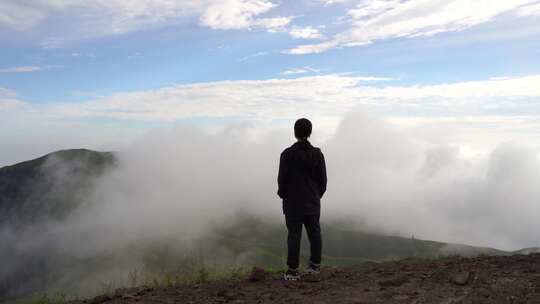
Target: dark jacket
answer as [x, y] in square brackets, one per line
[301, 179]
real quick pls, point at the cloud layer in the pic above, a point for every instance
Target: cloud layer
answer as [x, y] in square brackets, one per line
[374, 20]
[9, 102]
[325, 95]
[91, 19]
[360, 22]
[482, 114]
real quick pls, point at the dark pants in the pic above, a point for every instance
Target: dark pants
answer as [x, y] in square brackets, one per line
[313, 229]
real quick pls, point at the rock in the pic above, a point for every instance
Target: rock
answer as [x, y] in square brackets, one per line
[257, 274]
[394, 282]
[127, 296]
[460, 278]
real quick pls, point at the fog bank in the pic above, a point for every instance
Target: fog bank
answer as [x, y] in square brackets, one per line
[172, 187]
[387, 179]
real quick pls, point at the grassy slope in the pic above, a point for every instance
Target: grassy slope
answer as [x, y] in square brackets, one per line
[265, 244]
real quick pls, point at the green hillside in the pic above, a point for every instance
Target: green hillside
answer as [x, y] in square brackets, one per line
[264, 243]
[49, 186]
[45, 189]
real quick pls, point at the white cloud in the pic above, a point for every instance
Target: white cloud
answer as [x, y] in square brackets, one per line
[272, 24]
[485, 112]
[374, 20]
[373, 7]
[258, 54]
[232, 14]
[21, 69]
[83, 55]
[9, 101]
[372, 78]
[259, 99]
[325, 95]
[476, 115]
[9, 105]
[330, 2]
[302, 70]
[105, 16]
[312, 48]
[506, 87]
[241, 14]
[19, 17]
[27, 69]
[529, 10]
[307, 32]
[369, 21]
[89, 19]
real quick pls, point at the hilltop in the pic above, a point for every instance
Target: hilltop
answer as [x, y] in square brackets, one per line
[49, 187]
[484, 279]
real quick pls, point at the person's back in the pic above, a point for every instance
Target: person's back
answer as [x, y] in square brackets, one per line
[301, 184]
[302, 179]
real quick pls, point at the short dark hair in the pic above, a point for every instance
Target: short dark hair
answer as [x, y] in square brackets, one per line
[302, 128]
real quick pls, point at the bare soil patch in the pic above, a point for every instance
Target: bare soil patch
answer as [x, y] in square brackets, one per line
[510, 279]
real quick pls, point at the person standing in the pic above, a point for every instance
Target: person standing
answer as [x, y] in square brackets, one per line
[301, 184]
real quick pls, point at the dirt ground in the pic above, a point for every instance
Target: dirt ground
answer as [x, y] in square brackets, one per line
[512, 279]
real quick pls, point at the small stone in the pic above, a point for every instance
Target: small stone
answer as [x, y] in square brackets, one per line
[128, 296]
[460, 278]
[484, 292]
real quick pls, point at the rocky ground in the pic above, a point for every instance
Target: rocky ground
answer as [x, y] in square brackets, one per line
[511, 279]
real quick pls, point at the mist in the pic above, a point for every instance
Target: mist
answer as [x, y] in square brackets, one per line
[176, 184]
[387, 179]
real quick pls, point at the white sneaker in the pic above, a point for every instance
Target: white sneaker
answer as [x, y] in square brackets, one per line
[313, 268]
[292, 275]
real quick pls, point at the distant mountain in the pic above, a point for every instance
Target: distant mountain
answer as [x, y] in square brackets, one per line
[263, 243]
[49, 186]
[527, 250]
[40, 190]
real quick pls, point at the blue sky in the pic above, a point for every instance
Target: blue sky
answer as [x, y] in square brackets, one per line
[134, 65]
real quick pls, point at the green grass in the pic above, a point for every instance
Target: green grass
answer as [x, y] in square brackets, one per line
[57, 298]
